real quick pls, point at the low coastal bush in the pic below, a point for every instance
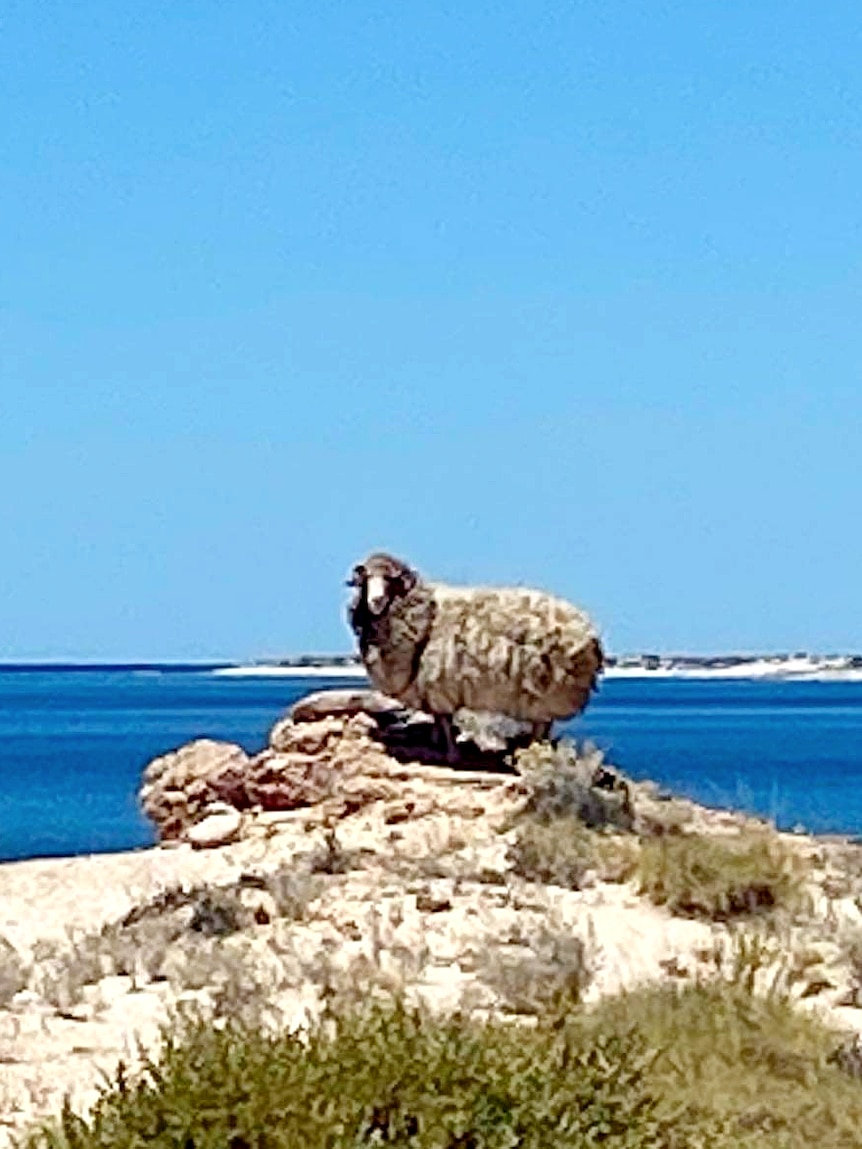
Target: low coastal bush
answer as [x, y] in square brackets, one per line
[719, 878]
[382, 1074]
[749, 1071]
[564, 782]
[562, 851]
[166, 936]
[707, 1066]
[575, 818]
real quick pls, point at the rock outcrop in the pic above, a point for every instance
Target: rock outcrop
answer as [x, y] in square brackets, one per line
[342, 704]
[219, 825]
[178, 787]
[339, 750]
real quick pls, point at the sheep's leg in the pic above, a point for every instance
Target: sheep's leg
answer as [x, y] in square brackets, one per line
[445, 727]
[542, 731]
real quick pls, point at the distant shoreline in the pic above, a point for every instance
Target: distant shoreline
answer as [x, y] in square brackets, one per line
[281, 670]
[802, 668]
[769, 668]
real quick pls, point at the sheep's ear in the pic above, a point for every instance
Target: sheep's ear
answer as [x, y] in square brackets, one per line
[407, 578]
[357, 576]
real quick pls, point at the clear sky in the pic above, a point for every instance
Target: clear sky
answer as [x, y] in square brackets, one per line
[558, 293]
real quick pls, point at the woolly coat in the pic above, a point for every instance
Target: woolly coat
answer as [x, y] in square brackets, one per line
[511, 651]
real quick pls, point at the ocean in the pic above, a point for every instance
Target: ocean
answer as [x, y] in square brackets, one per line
[73, 743]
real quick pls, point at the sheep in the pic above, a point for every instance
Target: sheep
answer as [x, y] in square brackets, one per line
[438, 648]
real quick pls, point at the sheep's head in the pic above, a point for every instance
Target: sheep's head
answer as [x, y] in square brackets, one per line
[378, 582]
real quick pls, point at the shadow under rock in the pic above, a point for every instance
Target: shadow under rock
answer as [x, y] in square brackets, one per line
[413, 737]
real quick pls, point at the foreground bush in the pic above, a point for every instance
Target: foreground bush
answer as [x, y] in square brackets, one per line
[719, 878]
[708, 1066]
[384, 1075]
[750, 1072]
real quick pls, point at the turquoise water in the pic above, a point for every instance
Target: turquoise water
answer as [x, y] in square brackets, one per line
[73, 743]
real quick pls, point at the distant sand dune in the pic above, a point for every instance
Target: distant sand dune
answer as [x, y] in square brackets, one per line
[787, 669]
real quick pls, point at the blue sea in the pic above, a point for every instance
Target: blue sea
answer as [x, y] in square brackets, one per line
[73, 743]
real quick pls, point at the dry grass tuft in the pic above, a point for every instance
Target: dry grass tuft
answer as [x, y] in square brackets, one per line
[563, 852]
[548, 975]
[719, 878]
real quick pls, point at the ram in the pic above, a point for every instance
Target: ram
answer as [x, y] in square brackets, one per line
[439, 648]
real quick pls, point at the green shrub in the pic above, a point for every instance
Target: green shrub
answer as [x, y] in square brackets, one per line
[562, 851]
[566, 783]
[752, 1072]
[384, 1074]
[706, 1066]
[718, 878]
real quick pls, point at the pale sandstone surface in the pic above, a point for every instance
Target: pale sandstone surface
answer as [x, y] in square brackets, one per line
[426, 900]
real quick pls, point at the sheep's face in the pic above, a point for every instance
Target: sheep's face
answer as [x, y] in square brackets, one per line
[379, 581]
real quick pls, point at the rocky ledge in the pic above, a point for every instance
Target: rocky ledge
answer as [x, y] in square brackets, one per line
[336, 750]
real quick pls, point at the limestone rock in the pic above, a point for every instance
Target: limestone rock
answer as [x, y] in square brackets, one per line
[220, 825]
[409, 735]
[287, 780]
[344, 704]
[307, 737]
[331, 758]
[315, 718]
[178, 786]
[338, 750]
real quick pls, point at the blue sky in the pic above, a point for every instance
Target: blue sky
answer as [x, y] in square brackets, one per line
[554, 293]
